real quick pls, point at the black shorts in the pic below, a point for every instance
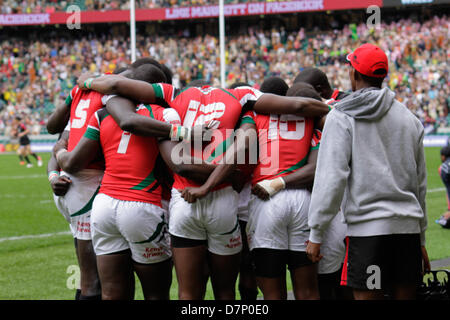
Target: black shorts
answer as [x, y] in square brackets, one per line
[271, 263]
[379, 262]
[24, 141]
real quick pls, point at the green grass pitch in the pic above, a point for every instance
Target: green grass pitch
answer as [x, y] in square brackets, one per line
[40, 268]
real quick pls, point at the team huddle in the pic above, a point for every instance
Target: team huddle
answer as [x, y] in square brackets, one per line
[228, 182]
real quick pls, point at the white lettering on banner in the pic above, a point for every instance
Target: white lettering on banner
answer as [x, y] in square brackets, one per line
[292, 6]
[17, 19]
[177, 13]
[199, 12]
[256, 8]
[235, 9]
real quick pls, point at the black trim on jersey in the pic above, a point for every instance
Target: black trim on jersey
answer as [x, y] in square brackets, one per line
[163, 103]
[156, 185]
[102, 114]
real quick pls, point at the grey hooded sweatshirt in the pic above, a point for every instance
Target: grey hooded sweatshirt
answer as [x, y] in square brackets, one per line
[371, 165]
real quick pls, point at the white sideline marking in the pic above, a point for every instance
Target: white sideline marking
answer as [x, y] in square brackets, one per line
[435, 190]
[34, 236]
[32, 176]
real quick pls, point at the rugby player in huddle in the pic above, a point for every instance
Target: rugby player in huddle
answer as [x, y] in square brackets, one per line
[215, 237]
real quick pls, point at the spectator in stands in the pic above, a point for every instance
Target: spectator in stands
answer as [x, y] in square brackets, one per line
[37, 73]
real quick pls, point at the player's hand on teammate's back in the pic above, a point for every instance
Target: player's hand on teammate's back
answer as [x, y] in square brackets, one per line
[260, 192]
[82, 79]
[191, 194]
[201, 133]
[60, 185]
[313, 251]
[268, 188]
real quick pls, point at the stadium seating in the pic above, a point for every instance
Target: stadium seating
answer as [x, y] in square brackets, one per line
[37, 74]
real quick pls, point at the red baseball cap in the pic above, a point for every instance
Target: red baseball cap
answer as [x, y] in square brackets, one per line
[370, 61]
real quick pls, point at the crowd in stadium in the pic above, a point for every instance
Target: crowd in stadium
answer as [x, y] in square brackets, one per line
[49, 6]
[38, 75]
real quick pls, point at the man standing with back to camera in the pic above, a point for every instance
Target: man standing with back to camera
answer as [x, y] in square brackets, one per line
[371, 164]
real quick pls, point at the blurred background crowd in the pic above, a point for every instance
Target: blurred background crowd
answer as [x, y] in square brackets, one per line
[37, 72]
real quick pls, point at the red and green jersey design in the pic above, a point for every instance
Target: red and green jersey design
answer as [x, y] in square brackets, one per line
[129, 159]
[83, 105]
[220, 108]
[284, 142]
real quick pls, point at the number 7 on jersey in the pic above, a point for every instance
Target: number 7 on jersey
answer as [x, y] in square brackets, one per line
[124, 141]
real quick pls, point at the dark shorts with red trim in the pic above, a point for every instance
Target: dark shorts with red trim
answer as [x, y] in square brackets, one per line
[379, 262]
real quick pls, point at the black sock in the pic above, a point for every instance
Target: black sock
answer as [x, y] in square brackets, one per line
[34, 155]
[27, 160]
[97, 297]
[78, 294]
[21, 157]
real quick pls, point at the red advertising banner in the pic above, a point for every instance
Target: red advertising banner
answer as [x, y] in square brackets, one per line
[240, 9]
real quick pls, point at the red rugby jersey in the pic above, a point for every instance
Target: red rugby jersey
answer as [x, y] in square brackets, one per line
[83, 105]
[284, 142]
[129, 159]
[221, 108]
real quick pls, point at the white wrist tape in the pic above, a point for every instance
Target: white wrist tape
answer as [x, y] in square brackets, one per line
[180, 133]
[272, 186]
[53, 174]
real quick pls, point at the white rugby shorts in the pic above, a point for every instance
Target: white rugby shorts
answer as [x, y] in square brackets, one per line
[333, 245]
[244, 199]
[119, 225]
[61, 205]
[212, 218]
[79, 198]
[281, 222]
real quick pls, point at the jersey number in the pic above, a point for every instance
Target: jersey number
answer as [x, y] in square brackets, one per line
[210, 113]
[80, 114]
[124, 141]
[280, 124]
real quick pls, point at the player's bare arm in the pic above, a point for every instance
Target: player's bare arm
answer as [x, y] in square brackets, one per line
[223, 171]
[58, 119]
[300, 179]
[115, 84]
[124, 113]
[197, 172]
[59, 183]
[305, 107]
[72, 162]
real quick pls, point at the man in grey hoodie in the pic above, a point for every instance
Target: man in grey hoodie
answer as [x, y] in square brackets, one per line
[371, 165]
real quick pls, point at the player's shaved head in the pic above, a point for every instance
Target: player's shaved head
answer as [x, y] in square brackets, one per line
[149, 73]
[239, 84]
[120, 70]
[318, 79]
[274, 85]
[303, 89]
[142, 61]
[197, 83]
